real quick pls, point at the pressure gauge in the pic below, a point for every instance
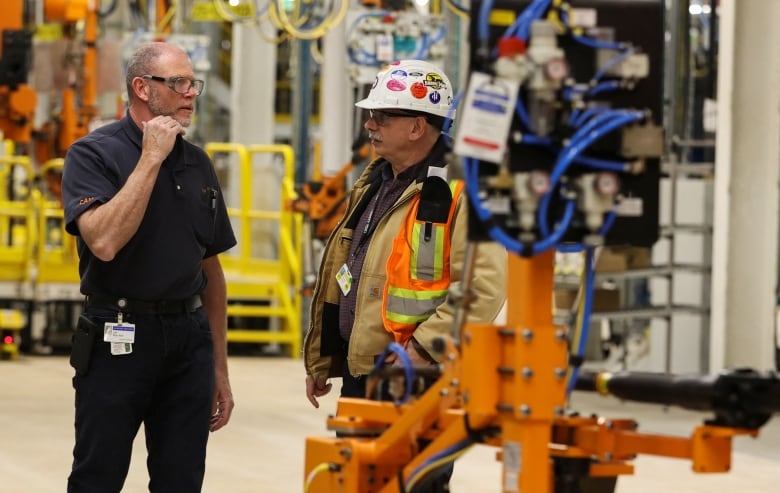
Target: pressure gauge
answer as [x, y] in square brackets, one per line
[607, 183]
[556, 69]
[539, 182]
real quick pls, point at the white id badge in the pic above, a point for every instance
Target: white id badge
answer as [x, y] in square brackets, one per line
[344, 278]
[122, 333]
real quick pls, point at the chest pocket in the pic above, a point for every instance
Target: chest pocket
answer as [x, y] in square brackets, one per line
[205, 214]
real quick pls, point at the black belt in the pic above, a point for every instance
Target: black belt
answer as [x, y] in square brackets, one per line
[139, 307]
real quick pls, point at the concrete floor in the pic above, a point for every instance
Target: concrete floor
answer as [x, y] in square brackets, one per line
[262, 449]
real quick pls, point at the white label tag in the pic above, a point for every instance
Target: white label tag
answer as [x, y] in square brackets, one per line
[384, 48]
[344, 278]
[630, 207]
[120, 348]
[513, 460]
[583, 17]
[484, 122]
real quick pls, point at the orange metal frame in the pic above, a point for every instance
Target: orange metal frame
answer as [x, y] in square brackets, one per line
[510, 378]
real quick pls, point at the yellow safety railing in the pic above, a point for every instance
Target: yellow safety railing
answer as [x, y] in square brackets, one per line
[57, 258]
[17, 242]
[36, 250]
[264, 287]
[17, 219]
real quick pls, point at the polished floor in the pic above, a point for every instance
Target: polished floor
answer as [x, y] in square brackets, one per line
[262, 450]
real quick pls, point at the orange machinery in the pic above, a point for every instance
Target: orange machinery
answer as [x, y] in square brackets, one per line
[17, 100]
[78, 104]
[76, 115]
[323, 200]
[505, 386]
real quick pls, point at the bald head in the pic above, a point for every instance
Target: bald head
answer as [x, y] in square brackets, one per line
[145, 60]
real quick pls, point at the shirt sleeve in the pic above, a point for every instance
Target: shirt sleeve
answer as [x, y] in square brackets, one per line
[85, 183]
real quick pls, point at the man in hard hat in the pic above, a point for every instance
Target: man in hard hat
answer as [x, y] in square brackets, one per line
[388, 267]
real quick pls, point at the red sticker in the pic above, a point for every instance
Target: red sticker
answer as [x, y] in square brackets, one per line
[418, 90]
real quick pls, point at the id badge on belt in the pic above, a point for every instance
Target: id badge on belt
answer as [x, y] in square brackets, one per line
[120, 334]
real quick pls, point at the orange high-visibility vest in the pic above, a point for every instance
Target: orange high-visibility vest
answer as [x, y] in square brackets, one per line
[418, 270]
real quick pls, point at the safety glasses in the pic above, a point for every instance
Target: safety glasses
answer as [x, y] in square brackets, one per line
[382, 118]
[181, 85]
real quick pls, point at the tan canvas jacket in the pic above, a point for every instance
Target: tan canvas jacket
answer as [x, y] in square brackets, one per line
[323, 346]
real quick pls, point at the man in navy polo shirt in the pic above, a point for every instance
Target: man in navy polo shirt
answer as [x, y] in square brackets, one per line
[150, 347]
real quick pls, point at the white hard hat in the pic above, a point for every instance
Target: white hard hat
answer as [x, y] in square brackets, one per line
[411, 85]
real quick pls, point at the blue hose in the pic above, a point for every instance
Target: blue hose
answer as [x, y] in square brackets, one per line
[582, 139]
[406, 362]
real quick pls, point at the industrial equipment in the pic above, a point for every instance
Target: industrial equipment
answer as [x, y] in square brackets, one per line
[17, 99]
[49, 82]
[262, 285]
[322, 200]
[560, 152]
[11, 324]
[377, 36]
[77, 102]
[48, 99]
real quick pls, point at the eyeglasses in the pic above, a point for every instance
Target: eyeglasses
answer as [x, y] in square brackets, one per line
[181, 85]
[382, 118]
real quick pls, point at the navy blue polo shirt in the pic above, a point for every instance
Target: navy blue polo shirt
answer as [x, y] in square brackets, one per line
[185, 221]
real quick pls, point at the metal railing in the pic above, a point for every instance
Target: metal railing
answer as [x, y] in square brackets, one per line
[263, 286]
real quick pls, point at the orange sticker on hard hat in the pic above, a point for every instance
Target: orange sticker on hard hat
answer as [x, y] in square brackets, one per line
[418, 90]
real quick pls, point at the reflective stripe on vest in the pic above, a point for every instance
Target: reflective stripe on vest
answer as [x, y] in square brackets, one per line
[418, 270]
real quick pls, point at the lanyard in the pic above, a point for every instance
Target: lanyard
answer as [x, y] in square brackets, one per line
[368, 230]
[373, 209]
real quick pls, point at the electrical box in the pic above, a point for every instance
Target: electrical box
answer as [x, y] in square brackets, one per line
[595, 55]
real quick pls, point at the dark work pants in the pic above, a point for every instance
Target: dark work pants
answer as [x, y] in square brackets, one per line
[437, 482]
[166, 383]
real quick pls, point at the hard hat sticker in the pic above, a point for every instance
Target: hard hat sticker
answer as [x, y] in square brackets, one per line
[396, 85]
[398, 74]
[418, 90]
[434, 97]
[434, 80]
